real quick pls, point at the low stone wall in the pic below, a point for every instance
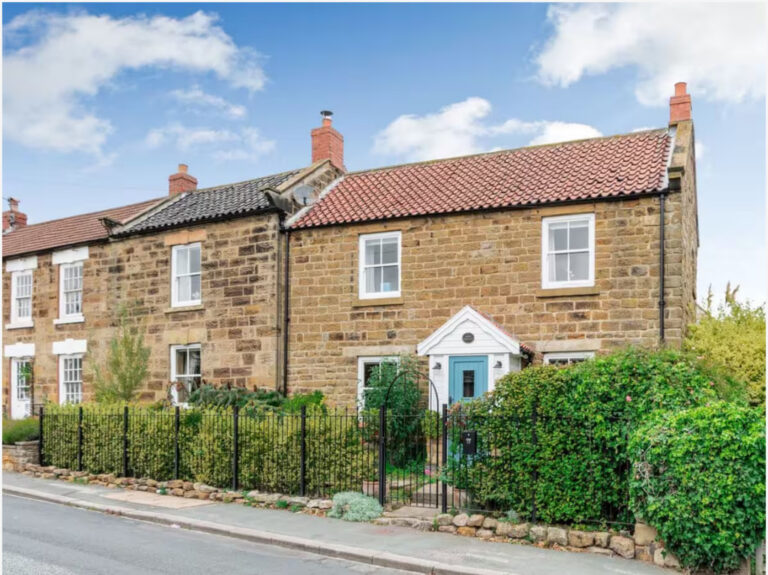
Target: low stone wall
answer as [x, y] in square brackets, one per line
[16, 457]
[642, 545]
[186, 489]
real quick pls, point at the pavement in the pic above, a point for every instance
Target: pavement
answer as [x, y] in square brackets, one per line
[49, 539]
[381, 546]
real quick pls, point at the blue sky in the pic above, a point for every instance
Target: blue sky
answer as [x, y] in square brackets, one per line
[101, 102]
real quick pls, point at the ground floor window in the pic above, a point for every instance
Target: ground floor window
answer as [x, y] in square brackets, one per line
[369, 368]
[186, 369]
[567, 357]
[71, 377]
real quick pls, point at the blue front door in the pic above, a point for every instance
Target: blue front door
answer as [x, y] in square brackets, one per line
[468, 377]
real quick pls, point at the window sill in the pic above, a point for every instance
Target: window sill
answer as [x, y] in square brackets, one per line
[568, 291]
[377, 301]
[194, 307]
[66, 320]
[20, 325]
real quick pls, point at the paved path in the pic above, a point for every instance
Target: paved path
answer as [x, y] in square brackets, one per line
[49, 539]
[371, 543]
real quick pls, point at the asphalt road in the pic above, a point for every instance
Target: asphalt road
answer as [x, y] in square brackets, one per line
[46, 538]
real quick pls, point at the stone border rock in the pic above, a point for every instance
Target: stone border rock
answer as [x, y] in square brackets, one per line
[643, 545]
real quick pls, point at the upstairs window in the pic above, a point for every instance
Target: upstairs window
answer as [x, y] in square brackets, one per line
[379, 257]
[21, 298]
[568, 251]
[185, 273]
[71, 291]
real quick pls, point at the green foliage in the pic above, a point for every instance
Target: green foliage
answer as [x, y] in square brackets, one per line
[397, 384]
[126, 367]
[734, 337]
[699, 478]
[15, 430]
[354, 506]
[584, 416]
[208, 395]
[269, 444]
[281, 504]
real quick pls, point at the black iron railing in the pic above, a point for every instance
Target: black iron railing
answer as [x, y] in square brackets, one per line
[448, 460]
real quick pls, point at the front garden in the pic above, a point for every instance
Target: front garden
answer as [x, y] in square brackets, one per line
[658, 437]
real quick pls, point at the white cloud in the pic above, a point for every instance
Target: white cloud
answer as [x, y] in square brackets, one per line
[719, 49]
[459, 129]
[700, 149]
[224, 145]
[195, 97]
[73, 56]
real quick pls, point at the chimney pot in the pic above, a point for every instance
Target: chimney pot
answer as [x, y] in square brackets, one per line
[328, 143]
[13, 219]
[181, 181]
[680, 104]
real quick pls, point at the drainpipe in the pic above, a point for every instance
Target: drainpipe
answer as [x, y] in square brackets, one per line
[286, 301]
[662, 302]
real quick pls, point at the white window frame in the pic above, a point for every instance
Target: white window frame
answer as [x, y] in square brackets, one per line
[62, 387]
[65, 317]
[362, 293]
[174, 375]
[546, 283]
[361, 363]
[16, 320]
[16, 363]
[175, 302]
[569, 356]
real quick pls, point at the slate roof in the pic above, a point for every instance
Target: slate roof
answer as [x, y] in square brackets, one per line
[210, 204]
[80, 229]
[613, 166]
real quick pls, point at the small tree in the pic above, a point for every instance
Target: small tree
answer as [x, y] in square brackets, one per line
[126, 366]
[734, 337]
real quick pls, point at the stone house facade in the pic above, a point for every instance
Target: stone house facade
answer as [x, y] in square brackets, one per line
[474, 279]
[309, 279]
[199, 272]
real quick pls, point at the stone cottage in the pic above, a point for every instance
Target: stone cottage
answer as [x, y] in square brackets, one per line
[480, 263]
[200, 272]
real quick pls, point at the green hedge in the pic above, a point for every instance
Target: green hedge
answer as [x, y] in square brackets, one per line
[337, 459]
[585, 414]
[15, 430]
[699, 478]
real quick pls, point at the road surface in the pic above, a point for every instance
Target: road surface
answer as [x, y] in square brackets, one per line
[46, 538]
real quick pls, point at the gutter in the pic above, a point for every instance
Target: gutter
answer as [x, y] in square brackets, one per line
[286, 303]
[662, 301]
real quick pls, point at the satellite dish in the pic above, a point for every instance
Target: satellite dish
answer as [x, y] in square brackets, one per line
[303, 194]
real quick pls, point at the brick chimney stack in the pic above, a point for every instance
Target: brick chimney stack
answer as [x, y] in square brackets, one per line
[181, 181]
[328, 143]
[680, 104]
[13, 219]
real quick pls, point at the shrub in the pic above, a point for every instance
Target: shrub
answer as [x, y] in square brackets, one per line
[126, 366]
[15, 430]
[584, 416]
[269, 444]
[699, 478]
[208, 395]
[354, 506]
[734, 337]
[397, 384]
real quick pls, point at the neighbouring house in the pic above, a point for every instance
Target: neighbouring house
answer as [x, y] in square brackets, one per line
[54, 301]
[200, 271]
[480, 263]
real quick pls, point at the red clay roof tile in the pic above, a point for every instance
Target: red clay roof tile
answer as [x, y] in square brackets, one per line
[615, 166]
[79, 229]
